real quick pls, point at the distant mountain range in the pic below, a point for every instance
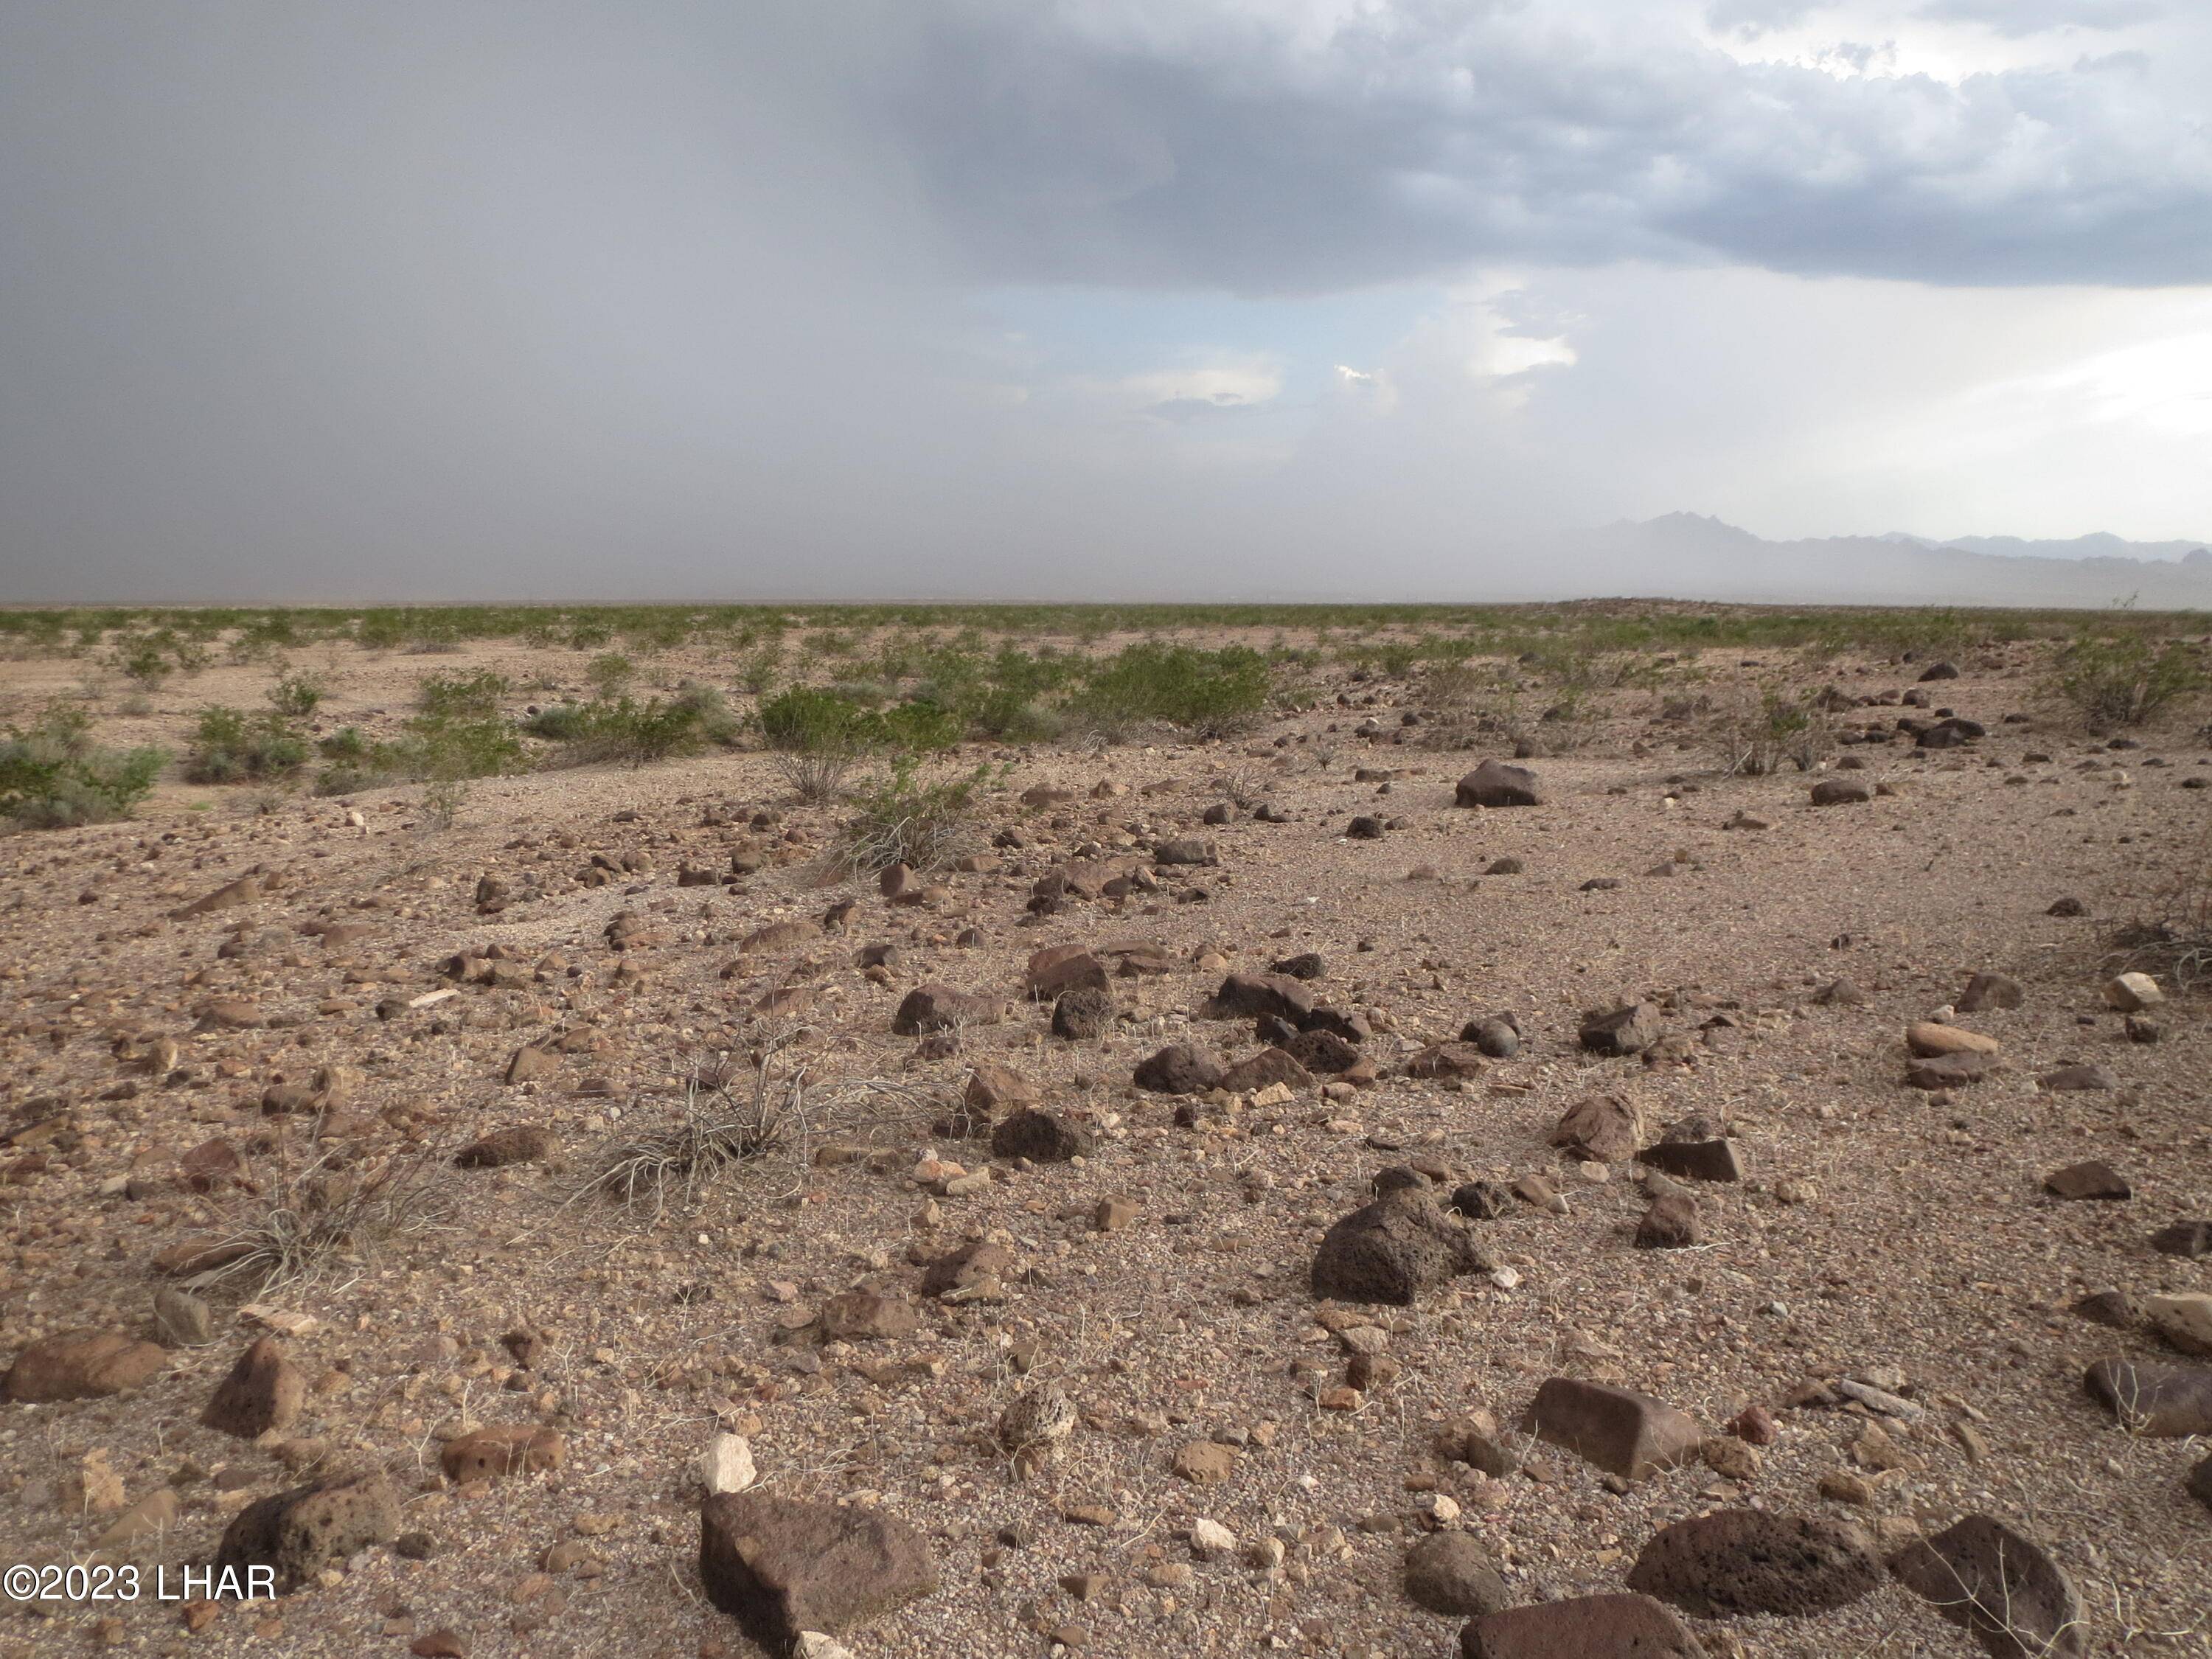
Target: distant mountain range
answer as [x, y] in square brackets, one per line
[1685, 555]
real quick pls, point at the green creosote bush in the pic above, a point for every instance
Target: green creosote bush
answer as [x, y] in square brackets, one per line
[622, 729]
[462, 697]
[431, 747]
[230, 747]
[2116, 682]
[296, 696]
[52, 776]
[609, 671]
[1211, 693]
[804, 721]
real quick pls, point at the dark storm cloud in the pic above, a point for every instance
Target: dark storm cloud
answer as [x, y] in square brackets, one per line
[1249, 154]
[528, 297]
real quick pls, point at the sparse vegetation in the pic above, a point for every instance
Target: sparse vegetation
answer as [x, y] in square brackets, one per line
[54, 777]
[2115, 681]
[1759, 735]
[296, 696]
[299, 1220]
[903, 820]
[1209, 693]
[231, 746]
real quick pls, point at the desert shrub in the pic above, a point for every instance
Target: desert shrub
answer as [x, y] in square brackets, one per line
[443, 799]
[144, 662]
[609, 671]
[758, 674]
[903, 820]
[1757, 738]
[430, 748]
[381, 630]
[2124, 681]
[462, 697]
[52, 776]
[1209, 692]
[806, 721]
[436, 746]
[230, 747]
[637, 734]
[298, 1219]
[295, 696]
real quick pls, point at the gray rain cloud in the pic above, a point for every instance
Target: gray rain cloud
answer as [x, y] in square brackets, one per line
[495, 298]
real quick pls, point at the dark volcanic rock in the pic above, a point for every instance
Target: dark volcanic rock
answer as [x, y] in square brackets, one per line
[1584, 1627]
[1621, 1031]
[1495, 783]
[1177, 1069]
[1395, 1248]
[298, 1532]
[1041, 1136]
[783, 1566]
[1749, 1561]
[1983, 1575]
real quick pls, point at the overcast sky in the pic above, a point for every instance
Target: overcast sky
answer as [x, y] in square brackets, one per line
[841, 298]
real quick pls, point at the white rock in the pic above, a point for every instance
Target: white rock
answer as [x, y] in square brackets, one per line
[726, 1465]
[813, 1644]
[1210, 1539]
[2132, 993]
[2184, 1321]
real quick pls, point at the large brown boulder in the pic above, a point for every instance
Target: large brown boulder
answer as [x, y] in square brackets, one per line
[1495, 783]
[782, 1567]
[1623, 1432]
[1749, 1561]
[2003, 1587]
[1583, 1627]
[1604, 1127]
[80, 1365]
[263, 1391]
[935, 1007]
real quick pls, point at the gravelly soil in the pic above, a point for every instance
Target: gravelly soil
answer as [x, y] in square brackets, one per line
[1923, 1243]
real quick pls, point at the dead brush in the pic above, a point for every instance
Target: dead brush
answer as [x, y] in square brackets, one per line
[298, 1220]
[2175, 942]
[759, 1110]
[1756, 737]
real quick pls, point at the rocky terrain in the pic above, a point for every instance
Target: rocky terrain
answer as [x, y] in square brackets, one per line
[1337, 1189]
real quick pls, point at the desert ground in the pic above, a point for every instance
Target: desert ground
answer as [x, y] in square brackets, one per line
[508, 1162]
